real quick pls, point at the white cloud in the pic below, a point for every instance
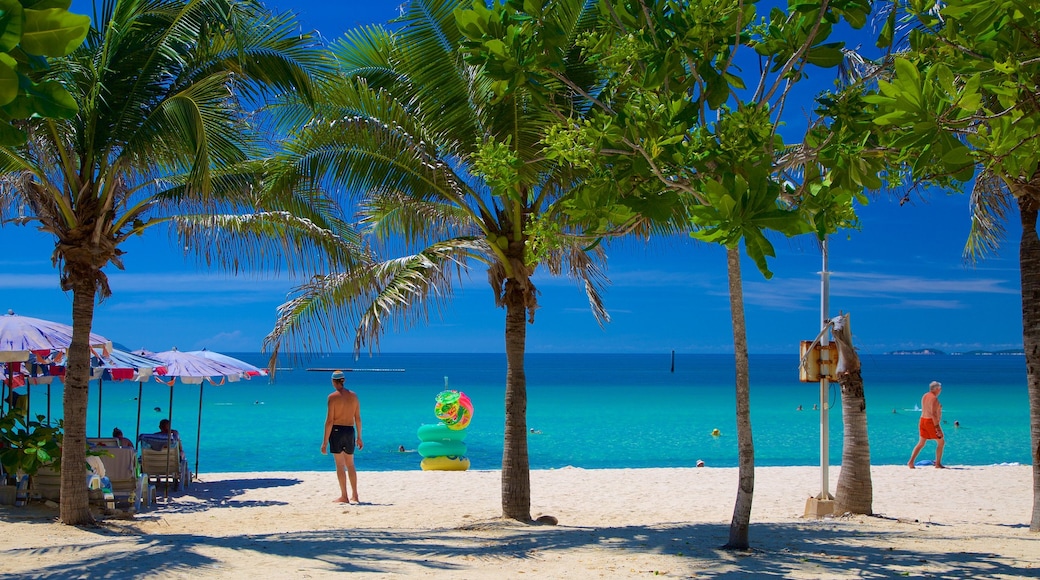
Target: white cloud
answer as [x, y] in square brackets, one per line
[873, 284]
[233, 341]
[29, 281]
[931, 304]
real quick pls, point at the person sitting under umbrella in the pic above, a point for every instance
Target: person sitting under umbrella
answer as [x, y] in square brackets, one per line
[163, 435]
[117, 434]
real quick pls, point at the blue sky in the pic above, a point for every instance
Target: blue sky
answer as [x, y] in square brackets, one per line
[902, 278]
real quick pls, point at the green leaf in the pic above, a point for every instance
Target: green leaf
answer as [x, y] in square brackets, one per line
[8, 82]
[47, 99]
[887, 31]
[826, 55]
[53, 32]
[43, 4]
[758, 248]
[10, 24]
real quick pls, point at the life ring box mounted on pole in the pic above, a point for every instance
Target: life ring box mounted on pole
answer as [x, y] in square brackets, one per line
[813, 357]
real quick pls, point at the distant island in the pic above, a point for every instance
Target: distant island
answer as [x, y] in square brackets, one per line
[935, 351]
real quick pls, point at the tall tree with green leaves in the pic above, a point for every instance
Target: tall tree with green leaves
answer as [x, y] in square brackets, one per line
[164, 135]
[446, 176]
[959, 106]
[675, 123]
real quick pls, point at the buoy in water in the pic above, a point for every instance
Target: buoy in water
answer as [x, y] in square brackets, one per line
[715, 432]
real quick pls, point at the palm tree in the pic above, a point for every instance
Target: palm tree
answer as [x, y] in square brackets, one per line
[855, 491]
[163, 130]
[1007, 178]
[445, 178]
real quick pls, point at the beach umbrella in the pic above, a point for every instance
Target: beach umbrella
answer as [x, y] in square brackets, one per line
[23, 336]
[41, 369]
[248, 370]
[120, 365]
[193, 369]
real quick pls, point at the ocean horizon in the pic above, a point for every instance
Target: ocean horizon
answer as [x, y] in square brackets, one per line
[585, 410]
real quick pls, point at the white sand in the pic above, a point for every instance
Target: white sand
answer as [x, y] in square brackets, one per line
[954, 523]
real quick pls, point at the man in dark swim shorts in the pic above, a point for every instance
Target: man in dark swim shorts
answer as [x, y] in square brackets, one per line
[342, 432]
[341, 440]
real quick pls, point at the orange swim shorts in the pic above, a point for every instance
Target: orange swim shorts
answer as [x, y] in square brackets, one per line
[928, 430]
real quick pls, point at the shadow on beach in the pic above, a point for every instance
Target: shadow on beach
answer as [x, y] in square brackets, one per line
[206, 495]
[780, 550]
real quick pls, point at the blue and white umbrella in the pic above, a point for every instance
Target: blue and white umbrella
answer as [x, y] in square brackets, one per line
[120, 365]
[192, 369]
[21, 336]
[247, 370]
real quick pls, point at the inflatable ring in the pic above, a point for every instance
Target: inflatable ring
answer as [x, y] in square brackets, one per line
[441, 448]
[445, 463]
[439, 432]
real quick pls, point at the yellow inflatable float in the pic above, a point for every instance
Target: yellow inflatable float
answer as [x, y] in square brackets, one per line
[445, 463]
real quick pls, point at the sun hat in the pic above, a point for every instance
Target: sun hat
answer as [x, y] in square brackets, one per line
[337, 375]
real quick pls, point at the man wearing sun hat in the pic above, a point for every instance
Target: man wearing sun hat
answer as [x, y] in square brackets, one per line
[342, 432]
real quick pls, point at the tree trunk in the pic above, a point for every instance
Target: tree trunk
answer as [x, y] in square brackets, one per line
[855, 493]
[516, 471]
[1029, 271]
[741, 522]
[75, 508]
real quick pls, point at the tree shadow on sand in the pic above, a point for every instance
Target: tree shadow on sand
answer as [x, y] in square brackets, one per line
[208, 495]
[781, 550]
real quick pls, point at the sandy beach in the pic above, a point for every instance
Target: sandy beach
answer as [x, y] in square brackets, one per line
[961, 522]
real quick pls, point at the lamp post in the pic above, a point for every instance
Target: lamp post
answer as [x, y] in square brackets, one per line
[823, 504]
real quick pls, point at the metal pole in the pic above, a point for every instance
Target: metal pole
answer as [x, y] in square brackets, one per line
[198, 430]
[100, 388]
[140, 389]
[825, 369]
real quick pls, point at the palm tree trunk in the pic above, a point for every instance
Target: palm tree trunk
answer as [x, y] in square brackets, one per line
[75, 509]
[516, 472]
[1029, 271]
[741, 522]
[855, 493]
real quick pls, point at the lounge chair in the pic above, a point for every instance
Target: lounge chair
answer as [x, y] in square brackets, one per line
[129, 486]
[161, 462]
[46, 483]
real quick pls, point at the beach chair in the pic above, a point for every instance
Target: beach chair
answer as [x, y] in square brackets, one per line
[46, 483]
[103, 442]
[161, 462]
[129, 486]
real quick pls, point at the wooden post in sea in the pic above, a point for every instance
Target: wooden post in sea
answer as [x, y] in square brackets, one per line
[673, 360]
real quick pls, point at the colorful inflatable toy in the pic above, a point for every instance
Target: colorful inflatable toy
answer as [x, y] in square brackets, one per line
[454, 408]
[445, 463]
[442, 446]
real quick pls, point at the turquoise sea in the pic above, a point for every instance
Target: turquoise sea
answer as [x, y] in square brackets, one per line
[589, 410]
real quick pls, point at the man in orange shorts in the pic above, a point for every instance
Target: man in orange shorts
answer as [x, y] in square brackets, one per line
[930, 425]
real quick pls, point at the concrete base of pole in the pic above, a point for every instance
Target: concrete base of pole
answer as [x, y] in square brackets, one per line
[818, 507]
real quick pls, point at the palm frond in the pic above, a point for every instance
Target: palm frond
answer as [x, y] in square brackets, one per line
[392, 216]
[269, 241]
[588, 267]
[990, 203]
[371, 298]
[374, 143]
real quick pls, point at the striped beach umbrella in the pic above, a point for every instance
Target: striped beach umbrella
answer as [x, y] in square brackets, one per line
[192, 369]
